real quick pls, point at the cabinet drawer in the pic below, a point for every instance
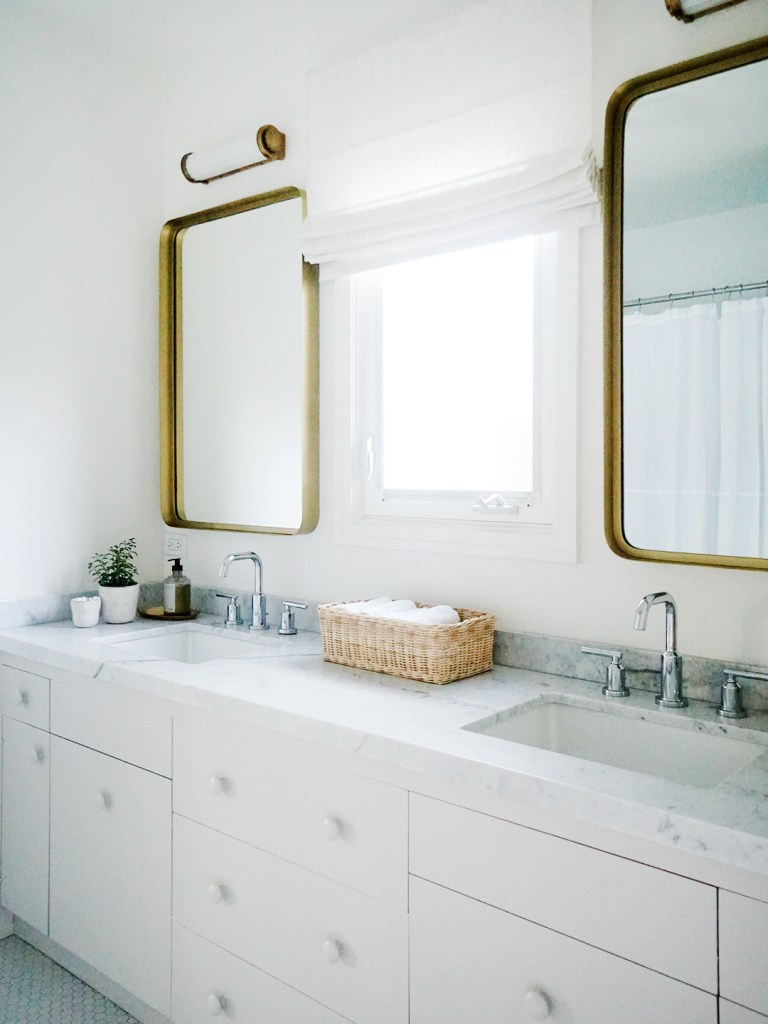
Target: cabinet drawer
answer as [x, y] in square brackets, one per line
[26, 790]
[730, 1013]
[654, 918]
[110, 876]
[113, 720]
[240, 780]
[472, 962]
[343, 949]
[24, 696]
[209, 981]
[743, 942]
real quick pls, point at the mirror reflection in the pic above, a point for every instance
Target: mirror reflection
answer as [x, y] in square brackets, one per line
[691, 316]
[240, 355]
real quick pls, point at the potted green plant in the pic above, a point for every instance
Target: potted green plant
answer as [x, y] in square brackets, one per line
[116, 575]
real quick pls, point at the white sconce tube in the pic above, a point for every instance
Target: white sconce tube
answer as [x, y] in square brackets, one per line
[687, 10]
[266, 145]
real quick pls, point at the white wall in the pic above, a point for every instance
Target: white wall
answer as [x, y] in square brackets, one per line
[722, 612]
[82, 302]
[79, 202]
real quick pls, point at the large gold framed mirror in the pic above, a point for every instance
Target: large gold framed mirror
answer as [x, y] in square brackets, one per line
[686, 312]
[239, 369]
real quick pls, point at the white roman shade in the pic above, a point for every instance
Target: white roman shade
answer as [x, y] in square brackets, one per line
[471, 128]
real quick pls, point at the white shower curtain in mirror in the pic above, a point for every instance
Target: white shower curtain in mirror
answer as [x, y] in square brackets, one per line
[696, 428]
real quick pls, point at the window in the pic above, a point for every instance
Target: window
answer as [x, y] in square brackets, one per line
[460, 384]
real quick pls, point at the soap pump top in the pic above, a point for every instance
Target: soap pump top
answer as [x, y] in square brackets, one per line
[177, 591]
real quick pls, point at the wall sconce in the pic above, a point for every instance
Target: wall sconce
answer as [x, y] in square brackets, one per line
[688, 10]
[268, 144]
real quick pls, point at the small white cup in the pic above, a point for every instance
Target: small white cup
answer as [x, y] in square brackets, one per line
[85, 610]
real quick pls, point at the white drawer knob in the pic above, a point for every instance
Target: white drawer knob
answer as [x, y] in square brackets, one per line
[217, 784]
[36, 755]
[104, 800]
[537, 1004]
[218, 893]
[332, 950]
[216, 1004]
[332, 828]
[21, 697]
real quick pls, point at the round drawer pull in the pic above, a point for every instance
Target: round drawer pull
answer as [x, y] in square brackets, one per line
[218, 893]
[104, 800]
[36, 755]
[332, 828]
[21, 697]
[332, 950]
[537, 1004]
[217, 784]
[216, 1004]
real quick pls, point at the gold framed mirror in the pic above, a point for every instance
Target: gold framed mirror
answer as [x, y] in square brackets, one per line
[686, 313]
[239, 369]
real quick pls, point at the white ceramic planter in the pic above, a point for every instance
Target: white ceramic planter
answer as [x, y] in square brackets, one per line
[118, 604]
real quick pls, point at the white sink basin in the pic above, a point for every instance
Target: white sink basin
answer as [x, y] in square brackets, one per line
[190, 644]
[679, 752]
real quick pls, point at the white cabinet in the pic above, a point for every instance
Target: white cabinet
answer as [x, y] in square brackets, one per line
[524, 925]
[472, 962]
[24, 889]
[730, 1013]
[295, 867]
[209, 982]
[111, 868]
[743, 946]
[24, 696]
[243, 781]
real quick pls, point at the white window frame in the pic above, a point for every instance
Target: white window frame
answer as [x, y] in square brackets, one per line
[546, 529]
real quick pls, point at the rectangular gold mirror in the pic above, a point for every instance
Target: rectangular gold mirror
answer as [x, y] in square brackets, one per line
[239, 369]
[686, 312]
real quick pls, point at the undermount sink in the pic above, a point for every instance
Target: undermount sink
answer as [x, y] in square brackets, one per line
[189, 644]
[678, 752]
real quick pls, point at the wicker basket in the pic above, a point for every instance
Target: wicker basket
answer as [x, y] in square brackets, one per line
[427, 653]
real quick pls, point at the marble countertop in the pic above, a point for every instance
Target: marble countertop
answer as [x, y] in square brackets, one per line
[284, 684]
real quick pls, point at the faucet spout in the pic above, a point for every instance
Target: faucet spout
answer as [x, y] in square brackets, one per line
[259, 610]
[671, 673]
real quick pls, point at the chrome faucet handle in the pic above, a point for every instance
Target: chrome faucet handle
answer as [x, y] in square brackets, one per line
[287, 625]
[731, 702]
[232, 617]
[615, 673]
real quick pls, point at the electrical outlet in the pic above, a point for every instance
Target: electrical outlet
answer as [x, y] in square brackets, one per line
[175, 545]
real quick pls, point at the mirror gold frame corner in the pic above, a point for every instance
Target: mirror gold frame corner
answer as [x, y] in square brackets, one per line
[171, 350]
[613, 176]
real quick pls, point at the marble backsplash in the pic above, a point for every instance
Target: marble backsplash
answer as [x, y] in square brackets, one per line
[555, 655]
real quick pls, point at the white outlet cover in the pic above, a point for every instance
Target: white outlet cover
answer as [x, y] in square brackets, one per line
[175, 545]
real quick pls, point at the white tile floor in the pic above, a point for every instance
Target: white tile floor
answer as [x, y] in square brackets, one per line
[35, 990]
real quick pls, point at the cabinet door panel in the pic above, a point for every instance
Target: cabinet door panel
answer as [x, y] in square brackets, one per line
[287, 921]
[111, 868]
[209, 981]
[237, 779]
[472, 962]
[730, 1013]
[24, 696]
[115, 721]
[743, 942]
[25, 823]
[655, 918]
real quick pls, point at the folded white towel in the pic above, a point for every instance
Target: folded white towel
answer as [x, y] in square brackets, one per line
[365, 606]
[391, 610]
[439, 615]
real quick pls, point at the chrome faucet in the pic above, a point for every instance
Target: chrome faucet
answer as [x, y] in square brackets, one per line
[259, 611]
[671, 695]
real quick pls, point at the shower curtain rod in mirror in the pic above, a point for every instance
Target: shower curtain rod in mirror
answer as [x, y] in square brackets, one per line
[706, 293]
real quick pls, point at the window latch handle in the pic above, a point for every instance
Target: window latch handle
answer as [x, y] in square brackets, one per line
[370, 457]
